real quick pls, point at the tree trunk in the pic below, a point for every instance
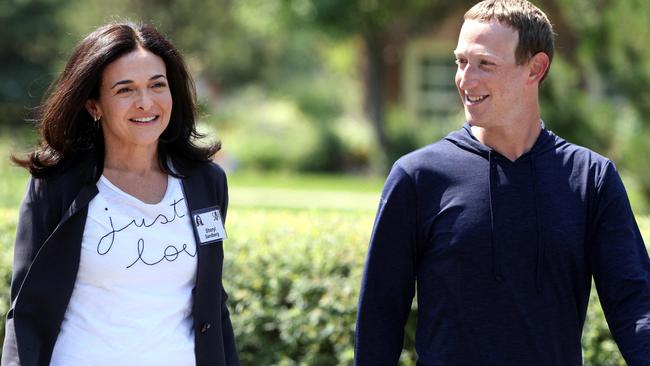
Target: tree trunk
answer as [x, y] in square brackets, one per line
[374, 88]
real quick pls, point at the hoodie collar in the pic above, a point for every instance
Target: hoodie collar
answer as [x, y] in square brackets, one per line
[465, 139]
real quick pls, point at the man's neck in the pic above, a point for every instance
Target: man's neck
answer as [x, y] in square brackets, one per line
[511, 142]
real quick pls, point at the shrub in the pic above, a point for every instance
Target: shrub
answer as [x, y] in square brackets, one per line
[8, 221]
[271, 133]
[293, 284]
[274, 135]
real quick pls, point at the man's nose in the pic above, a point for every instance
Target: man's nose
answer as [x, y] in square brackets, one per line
[467, 77]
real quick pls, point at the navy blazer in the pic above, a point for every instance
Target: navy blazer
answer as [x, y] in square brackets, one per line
[46, 259]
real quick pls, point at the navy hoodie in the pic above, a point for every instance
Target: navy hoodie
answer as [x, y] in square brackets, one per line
[502, 254]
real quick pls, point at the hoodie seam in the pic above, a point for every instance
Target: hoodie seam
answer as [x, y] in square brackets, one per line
[416, 212]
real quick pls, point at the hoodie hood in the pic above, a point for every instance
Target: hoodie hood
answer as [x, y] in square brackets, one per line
[546, 141]
[465, 140]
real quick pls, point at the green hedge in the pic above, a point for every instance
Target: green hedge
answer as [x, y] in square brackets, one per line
[8, 221]
[293, 278]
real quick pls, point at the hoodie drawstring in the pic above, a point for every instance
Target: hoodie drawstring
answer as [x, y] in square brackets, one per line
[538, 219]
[465, 140]
[496, 263]
[539, 271]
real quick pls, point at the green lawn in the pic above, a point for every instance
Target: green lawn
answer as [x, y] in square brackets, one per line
[13, 179]
[332, 182]
[296, 191]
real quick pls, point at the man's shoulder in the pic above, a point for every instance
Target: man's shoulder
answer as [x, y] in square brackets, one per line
[426, 157]
[581, 154]
[575, 160]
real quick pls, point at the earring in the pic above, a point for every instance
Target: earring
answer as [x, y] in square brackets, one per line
[96, 120]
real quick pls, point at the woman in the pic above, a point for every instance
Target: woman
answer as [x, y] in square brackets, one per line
[118, 252]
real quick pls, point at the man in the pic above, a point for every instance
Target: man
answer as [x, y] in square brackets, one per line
[502, 224]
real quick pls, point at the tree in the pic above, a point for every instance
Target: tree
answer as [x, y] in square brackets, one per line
[31, 33]
[381, 26]
[598, 93]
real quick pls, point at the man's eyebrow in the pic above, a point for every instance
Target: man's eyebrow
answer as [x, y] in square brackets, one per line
[479, 54]
[122, 82]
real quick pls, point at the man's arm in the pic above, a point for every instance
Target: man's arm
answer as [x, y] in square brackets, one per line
[388, 284]
[622, 270]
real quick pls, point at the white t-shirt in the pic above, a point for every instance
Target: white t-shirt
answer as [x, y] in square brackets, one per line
[132, 300]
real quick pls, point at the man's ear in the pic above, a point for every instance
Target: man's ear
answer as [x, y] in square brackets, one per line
[538, 65]
[93, 109]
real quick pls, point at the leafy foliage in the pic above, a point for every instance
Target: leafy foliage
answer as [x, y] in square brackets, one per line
[294, 292]
[597, 90]
[31, 33]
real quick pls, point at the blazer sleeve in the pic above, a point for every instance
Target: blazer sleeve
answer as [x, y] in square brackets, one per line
[622, 270]
[388, 283]
[35, 223]
[232, 357]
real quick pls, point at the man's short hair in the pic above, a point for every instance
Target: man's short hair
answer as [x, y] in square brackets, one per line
[534, 29]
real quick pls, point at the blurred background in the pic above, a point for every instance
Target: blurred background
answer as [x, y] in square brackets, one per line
[313, 100]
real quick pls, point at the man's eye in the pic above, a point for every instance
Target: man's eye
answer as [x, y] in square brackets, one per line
[460, 61]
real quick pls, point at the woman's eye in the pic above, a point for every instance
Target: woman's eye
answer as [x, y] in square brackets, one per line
[160, 85]
[123, 90]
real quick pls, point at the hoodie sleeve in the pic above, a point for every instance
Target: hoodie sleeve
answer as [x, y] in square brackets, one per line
[622, 270]
[388, 283]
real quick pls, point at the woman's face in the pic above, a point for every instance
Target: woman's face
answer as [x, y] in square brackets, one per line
[134, 103]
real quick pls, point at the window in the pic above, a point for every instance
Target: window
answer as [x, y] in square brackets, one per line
[429, 69]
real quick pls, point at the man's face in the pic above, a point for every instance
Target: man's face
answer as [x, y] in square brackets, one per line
[490, 83]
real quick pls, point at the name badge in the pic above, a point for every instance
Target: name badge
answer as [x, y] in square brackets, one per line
[208, 225]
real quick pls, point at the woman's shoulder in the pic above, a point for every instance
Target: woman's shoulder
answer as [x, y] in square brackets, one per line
[65, 180]
[205, 168]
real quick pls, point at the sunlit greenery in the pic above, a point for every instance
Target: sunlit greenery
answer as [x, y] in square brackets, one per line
[286, 86]
[268, 71]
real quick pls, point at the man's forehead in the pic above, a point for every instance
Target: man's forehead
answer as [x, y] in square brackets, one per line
[487, 38]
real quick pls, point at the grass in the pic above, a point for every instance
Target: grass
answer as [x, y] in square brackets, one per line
[14, 179]
[311, 199]
[304, 191]
[644, 226]
[313, 181]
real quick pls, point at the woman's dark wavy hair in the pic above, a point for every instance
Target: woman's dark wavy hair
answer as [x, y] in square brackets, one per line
[66, 129]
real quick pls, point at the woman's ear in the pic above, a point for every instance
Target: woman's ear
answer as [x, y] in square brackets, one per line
[538, 65]
[93, 109]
